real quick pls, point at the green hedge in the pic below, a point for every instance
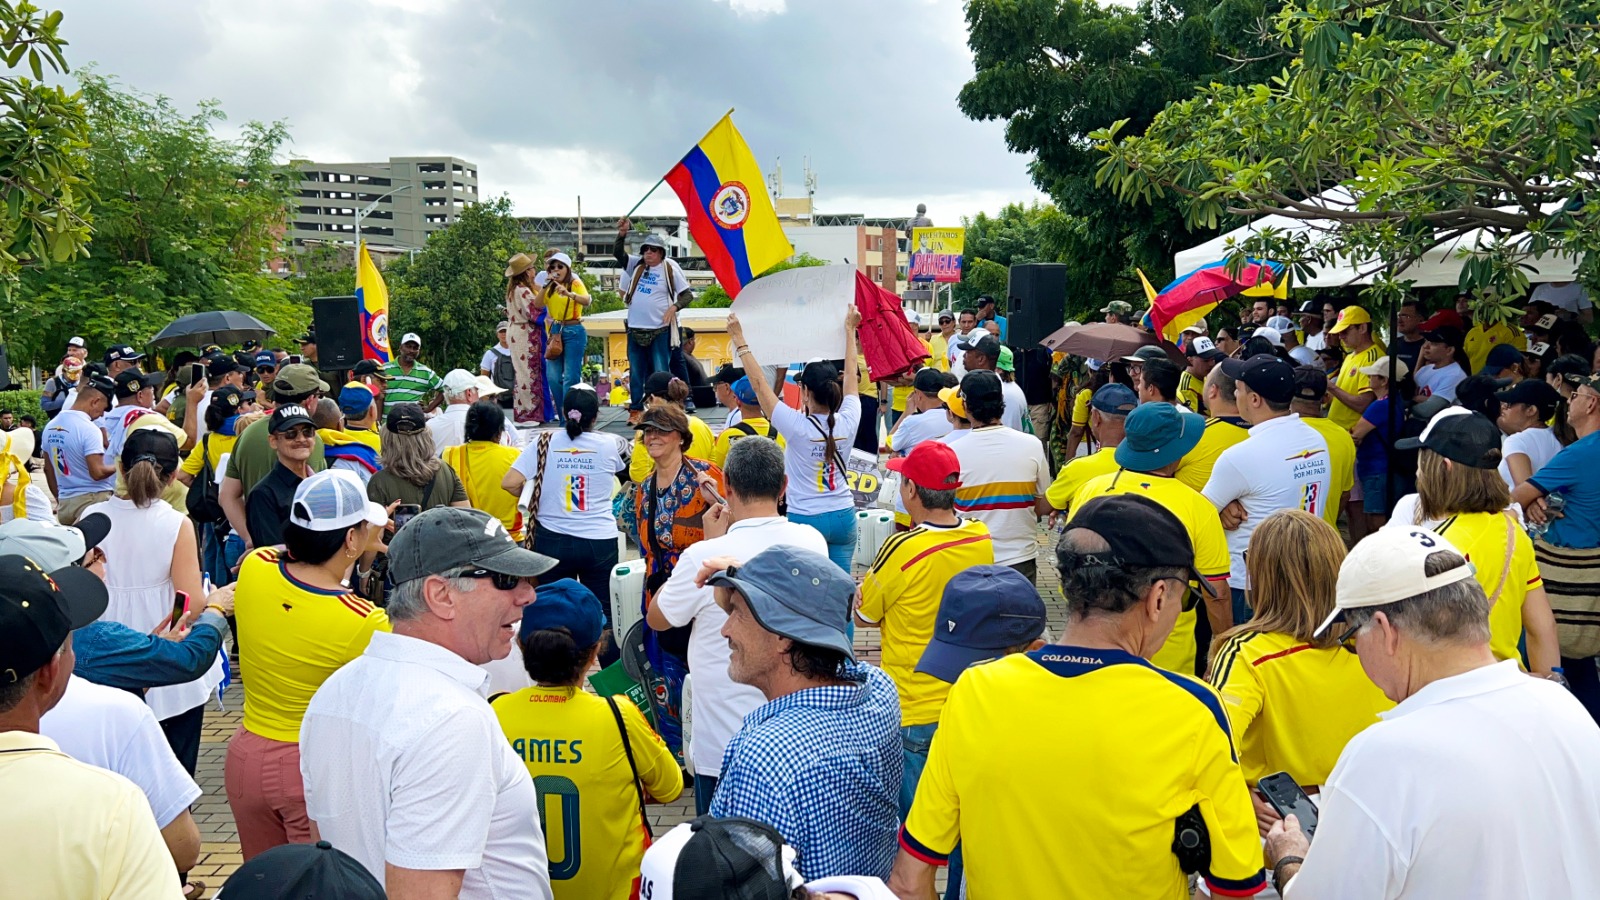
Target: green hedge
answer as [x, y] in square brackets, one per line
[23, 403]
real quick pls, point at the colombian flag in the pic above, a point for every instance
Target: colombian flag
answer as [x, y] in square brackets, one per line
[374, 303]
[729, 212]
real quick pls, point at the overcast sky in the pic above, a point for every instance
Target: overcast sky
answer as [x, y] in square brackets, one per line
[598, 98]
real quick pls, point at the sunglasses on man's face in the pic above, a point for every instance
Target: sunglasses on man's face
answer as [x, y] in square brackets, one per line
[299, 433]
[500, 580]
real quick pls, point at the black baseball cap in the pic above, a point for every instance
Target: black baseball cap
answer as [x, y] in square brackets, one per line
[230, 397]
[132, 381]
[369, 367]
[288, 416]
[931, 381]
[1310, 383]
[122, 353]
[1265, 374]
[1534, 393]
[219, 366]
[302, 872]
[1461, 436]
[1444, 334]
[38, 610]
[1570, 366]
[988, 346]
[727, 373]
[97, 381]
[406, 418]
[1311, 308]
[1139, 532]
[310, 337]
[985, 611]
[731, 858]
[154, 445]
[982, 383]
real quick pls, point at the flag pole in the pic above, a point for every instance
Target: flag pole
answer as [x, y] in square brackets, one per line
[664, 178]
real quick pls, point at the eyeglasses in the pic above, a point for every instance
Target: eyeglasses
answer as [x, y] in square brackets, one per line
[299, 433]
[500, 580]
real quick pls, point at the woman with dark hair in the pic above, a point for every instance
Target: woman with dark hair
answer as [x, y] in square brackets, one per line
[482, 462]
[599, 749]
[1099, 377]
[574, 477]
[1442, 363]
[665, 388]
[565, 299]
[301, 624]
[412, 471]
[816, 438]
[526, 314]
[1228, 340]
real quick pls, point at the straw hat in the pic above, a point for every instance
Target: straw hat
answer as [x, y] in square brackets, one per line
[520, 263]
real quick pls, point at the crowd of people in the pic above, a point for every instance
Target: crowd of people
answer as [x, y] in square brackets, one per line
[1331, 613]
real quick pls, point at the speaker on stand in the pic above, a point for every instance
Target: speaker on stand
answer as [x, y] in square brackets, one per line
[1036, 305]
[338, 324]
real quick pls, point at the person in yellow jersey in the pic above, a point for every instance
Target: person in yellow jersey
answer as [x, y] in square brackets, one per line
[1203, 356]
[1480, 339]
[1015, 786]
[595, 761]
[1108, 414]
[1310, 390]
[1158, 437]
[1294, 700]
[663, 388]
[902, 591]
[303, 625]
[354, 446]
[482, 462]
[939, 343]
[1350, 391]
[1461, 495]
[1224, 428]
[751, 423]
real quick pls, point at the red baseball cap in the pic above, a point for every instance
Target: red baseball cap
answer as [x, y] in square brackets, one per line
[931, 465]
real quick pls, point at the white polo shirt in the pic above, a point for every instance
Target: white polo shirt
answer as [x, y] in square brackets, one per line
[1482, 785]
[720, 704]
[405, 763]
[1283, 464]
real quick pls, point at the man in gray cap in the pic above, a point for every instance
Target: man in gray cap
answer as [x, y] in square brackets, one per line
[821, 760]
[405, 765]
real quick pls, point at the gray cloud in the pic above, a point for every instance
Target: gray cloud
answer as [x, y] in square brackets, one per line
[597, 98]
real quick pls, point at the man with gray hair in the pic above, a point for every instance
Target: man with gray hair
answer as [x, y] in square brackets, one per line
[747, 524]
[405, 765]
[1481, 783]
[461, 389]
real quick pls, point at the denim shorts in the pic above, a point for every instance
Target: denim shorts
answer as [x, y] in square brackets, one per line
[1374, 494]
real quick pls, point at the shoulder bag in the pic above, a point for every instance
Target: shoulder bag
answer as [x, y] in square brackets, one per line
[633, 767]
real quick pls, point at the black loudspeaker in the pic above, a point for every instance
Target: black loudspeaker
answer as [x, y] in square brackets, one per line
[338, 324]
[1036, 303]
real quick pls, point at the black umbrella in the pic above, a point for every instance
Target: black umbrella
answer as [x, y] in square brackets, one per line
[224, 326]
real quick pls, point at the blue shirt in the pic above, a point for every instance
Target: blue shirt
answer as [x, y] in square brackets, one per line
[822, 766]
[112, 654]
[1372, 454]
[1572, 474]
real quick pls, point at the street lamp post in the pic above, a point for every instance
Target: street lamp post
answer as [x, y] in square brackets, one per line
[363, 213]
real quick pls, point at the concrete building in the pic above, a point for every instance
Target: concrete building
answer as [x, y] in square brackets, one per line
[415, 195]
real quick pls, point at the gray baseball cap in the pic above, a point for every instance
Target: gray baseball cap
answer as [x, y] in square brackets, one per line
[449, 537]
[796, 594]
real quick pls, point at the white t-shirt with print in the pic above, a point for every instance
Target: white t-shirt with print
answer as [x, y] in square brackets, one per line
[1436, 381]
[578, 481]
[1283, 464]
[1539, 445]
[651, 299]
[816, 484]
[1570, 296]
[69, 440]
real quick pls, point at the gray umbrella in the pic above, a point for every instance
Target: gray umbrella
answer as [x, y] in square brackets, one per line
[223, 326]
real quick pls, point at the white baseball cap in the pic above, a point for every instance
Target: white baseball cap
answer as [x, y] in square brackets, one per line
[411, 337]
[913, 316]
[334, 499]
[76, 342]
[486, 388]
[459, 381]
[1273, 335]
[1199, 327]
[1390, 566]
[1281, 324]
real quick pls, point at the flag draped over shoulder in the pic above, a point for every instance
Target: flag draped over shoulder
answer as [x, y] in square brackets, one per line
[730, 215]
[373, 297]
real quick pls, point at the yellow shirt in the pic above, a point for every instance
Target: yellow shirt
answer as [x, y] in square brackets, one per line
[724, 442]
[481, 465]
[1342, 466]
[1080, 408]
[215, 446]
[77, 830]
[1078, 472]
[1293, 706]
[901, 593]
[572, 747]
[618, 396]
[1479, 341]
[1481, 538]
[562, 310]
[1210, 544]
[299, 636]
[1190, 391]
[1090, 753]
[1351, 381]
[941, 352]
[1194, 469]
[701, 446]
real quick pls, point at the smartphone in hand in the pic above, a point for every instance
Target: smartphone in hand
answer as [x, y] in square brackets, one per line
[180, 607]
[404, 513]
[1285, 796]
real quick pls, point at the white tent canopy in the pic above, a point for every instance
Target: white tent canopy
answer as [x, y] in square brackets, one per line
[1439, 267]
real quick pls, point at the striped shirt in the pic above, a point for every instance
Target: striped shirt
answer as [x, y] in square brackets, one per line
[1003, 474]
[415, 386]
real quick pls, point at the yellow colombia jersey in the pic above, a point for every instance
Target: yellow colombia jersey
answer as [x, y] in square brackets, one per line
[1078, 472]
[1200, 519]
[1481, 538]
[1293, 705]
[701, 444]
[1195, 468]
[1190, 392]
[299, 635]
[758, 426]
[481, 466]
[1341, 464]
[1125, 749]
[902, 592]
[571, 745]
[1351, 381]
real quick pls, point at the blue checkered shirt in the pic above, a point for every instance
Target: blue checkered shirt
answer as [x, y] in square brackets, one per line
[822, 766]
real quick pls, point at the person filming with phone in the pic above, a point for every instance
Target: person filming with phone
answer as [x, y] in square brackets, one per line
[1480, 783]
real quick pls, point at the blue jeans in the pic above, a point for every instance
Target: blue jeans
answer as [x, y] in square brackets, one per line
[914, 743]
[705, 787]
[561, 374]
[1375, 494]
[213, 556]
[589, 561]
[1241, 607]
[645, 361]
[838, 528]
[1584, 678]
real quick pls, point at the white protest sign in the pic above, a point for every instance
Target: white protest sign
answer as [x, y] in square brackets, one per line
[797, 314]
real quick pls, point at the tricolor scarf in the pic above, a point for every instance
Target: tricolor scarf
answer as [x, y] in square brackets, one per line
[339, 445]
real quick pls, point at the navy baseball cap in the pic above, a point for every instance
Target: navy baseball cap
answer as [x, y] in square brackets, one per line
[796, 594]
[1501, 356]
[1265, 374]
[565, 604]
[985, 611]
[1115, 398]
[1532, 392]
[1158, 434]
[265, 358]
[302, 872]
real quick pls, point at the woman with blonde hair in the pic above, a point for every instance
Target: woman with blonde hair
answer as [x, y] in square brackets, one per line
[526, 314]
[1294, 699]
[565, 299]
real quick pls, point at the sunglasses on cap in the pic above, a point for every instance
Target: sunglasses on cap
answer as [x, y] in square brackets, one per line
[500, 580]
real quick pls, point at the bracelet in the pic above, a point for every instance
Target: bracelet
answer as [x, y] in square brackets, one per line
[218, 608]
[1278, 880]
[740, 351]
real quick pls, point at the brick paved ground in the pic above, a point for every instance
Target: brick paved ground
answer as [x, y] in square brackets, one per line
[220, 842]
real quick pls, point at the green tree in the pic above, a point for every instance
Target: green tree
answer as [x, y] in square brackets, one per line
[714, 297]
[453, 292]
[185, 221]
[1439, 119]
[43, 138]
[322, 271]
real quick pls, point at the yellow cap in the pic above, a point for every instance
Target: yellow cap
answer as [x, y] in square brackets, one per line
[952, 398]
[1350, 315]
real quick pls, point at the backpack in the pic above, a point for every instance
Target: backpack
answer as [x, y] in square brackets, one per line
[504, 374]
[203, 503]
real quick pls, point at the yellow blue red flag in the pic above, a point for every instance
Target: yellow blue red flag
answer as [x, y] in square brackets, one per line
[373, 297]
[730, 214]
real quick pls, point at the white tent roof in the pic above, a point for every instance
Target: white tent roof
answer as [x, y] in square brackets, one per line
[1439, 267]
